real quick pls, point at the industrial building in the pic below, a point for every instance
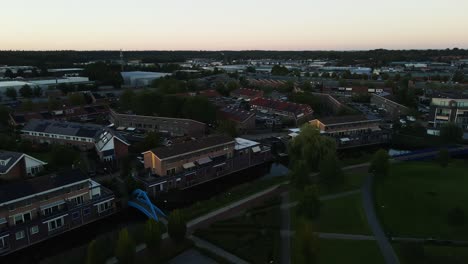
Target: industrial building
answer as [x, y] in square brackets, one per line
[140, 78]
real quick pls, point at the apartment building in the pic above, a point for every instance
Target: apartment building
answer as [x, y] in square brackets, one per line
[108, 144]
[190, 163]
[444, 110]
[172, 126]
[37, 209]
[352, 131]
[299, 113]
[15, 165]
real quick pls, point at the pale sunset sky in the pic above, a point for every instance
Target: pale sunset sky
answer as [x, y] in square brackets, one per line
[233, 24]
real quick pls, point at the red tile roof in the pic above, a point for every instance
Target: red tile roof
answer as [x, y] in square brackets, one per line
[283, 106]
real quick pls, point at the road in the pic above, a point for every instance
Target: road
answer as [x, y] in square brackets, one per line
[382, 240]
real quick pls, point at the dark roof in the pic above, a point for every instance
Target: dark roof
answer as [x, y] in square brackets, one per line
[248, 92]
[236, 114]
[343, 119]
[190, 146]
[283, 106]
[17, 190]
[63, 128]
[11, 157]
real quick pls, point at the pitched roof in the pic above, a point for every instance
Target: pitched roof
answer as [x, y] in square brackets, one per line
[63, 128]
[236, 114]
[8, 159]
[191, 146]
[22, 189]
[283, 106]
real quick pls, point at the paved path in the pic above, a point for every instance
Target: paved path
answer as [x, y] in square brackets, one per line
[217, 250]
[345, 236]
[368, 203]
[285, 229]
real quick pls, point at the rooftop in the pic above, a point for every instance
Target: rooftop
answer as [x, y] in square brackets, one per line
[63, 128]
[8, 159]
[17, 190]
[283, 106]
[236, 114]
[336, 120]
[191, 146]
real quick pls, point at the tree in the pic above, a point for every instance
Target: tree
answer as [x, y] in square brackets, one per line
[26, 91]
[310, 147]
[76, 99]
[37, 91]
[309, 204]
[456, 217]
[200, 109]
[177, 226]
[27, 105]
[300, 174]
[412, 252]
[11, 92]
[279, 70]
[380, 165]
[307, 251]
[443, 157]
[458, 77]
[306, 86]
[93, 255]
[152, 140]
[125, 248]
[9, 74]
[451, 133]
[330, 171]
[228, 127]
[4, 115]
[63, 156]
[153, 233]
[250, 69]
[53, 104]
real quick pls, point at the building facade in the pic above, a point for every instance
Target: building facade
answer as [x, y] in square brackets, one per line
[15, 165]
[445, 110]
[352, 131]
[40, 208]
[187, 164]
[392, 108]
[172, 126]
[107, 143]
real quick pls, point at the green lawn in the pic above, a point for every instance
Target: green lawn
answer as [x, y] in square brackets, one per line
[253, 236]
[352, 181]
[343, 215]
[416, 197]
[435, 255]
[349, 251]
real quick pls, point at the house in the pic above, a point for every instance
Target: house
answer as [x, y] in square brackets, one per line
[190, 163]
[299, 113]
[37, 209]
[172, 126]
[15, 165]
[352, 131]
[108, 144]
[247, 94]
[244, 120]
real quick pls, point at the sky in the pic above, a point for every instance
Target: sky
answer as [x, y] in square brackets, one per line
[233, 24]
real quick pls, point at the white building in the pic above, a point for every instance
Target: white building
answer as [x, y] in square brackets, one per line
[140, 78]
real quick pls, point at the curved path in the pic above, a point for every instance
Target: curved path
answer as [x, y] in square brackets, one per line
[382, 240]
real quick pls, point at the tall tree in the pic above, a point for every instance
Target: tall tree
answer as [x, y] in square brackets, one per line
[125, 247]
[308, 249]
[309, 204]
[93, 254]
[26, 91]
[380, 164]
[299, 172]
[177, 226]
[330, 171]
[11, 92]
[153, 233]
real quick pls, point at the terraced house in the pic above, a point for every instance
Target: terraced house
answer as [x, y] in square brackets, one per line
[15, 165]
[109, 145]
[299, 113]
[34, 210]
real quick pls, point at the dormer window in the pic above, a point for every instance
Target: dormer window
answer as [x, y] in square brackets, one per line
[4, 162]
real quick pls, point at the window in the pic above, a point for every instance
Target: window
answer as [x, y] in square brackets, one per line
[3, 243]
[77, 200]
[22, 218]
[55, 224]
[75, 215]
[104, 207]
[86, 211]
[34, 230]
[19, 235]
[51, 210]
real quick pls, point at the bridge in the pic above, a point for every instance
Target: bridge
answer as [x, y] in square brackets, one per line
[140, 201]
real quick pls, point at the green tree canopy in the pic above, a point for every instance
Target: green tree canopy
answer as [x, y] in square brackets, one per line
[152, 234]
[227, 127]
[125, 247]
[451, 133]
[308, 244]
[311, 147]
[279, 70]
[331, 173]
[309, 204]
[380, 164]
[11, 92]
[26, 91]
[177, 227]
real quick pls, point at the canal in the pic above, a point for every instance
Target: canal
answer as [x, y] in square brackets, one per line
[129, 216]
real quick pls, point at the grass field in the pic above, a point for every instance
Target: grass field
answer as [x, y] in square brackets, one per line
[350, 252]
[343, 215]
[416, 197]
[436, 255]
